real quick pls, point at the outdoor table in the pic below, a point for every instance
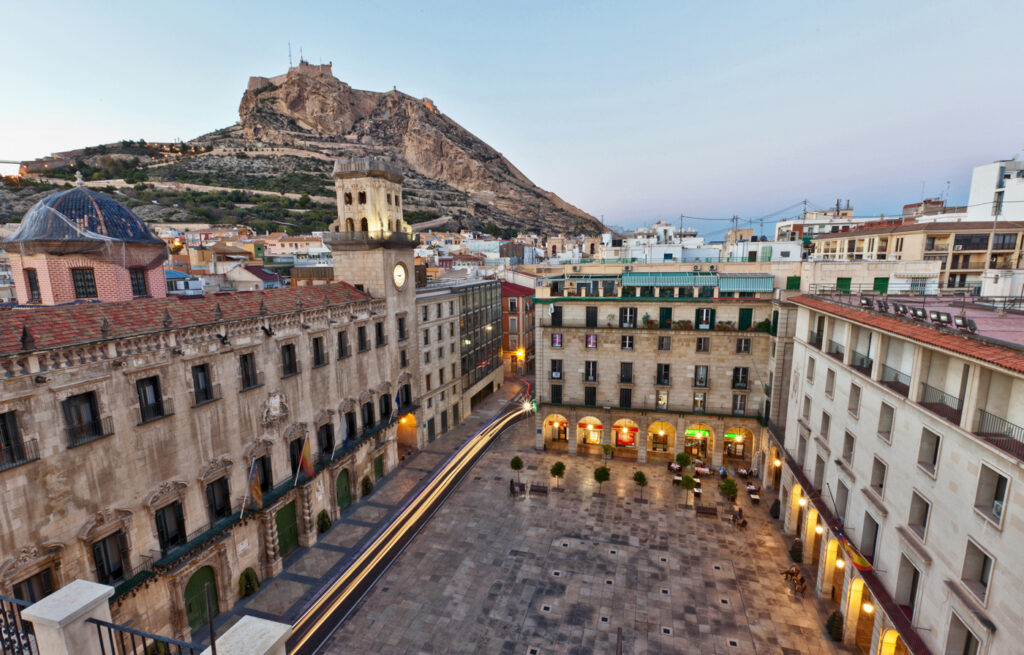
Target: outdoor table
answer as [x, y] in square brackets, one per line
[676, 479]
[702, 470]
[754, 499]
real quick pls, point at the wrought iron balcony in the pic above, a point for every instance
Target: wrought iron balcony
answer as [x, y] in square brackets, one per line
[158, 410]
[82, 433]
[589, 376]
[815, 339]
[1001, 433]
[896, 380]
[19, 453]
[836, 349]
[945, 405]
[663, 380]
[862, 363]
[208, 395]
[740, 384]
[246, 383]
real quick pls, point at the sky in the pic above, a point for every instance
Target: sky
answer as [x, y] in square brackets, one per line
[632, 111]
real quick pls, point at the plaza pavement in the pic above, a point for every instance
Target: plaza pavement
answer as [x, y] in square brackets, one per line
[564, 573]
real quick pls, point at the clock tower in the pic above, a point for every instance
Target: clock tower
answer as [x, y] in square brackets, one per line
[372, 245]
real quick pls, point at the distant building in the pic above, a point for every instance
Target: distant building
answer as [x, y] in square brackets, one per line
[182, 284]
[997, 192]
[517, 349]
[250, 278]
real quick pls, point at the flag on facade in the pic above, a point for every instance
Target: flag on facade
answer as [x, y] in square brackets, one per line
[858, 560]
[255, 487]
[398, 402]
[306, 460]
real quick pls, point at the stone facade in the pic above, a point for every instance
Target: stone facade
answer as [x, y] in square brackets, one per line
[75, 486]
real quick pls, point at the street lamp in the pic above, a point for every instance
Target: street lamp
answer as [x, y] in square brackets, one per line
[802, 502]
[868, 608]
[840, 563]
[527, 405]
[778, 463]
[818, 529]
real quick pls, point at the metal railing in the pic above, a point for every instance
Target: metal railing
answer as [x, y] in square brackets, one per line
[589, 377]
[19, 453]
[861, 362]
[662, 380]
[740, 384]
[626, 379]
[120, 640]
[83, 433]
[212, 394]
[815, 339]
[384, 237]
[938, 401]
[896, 380]
[158, 410]
[17, 637]
[257, 381]
[836, 349]
[1001, 433]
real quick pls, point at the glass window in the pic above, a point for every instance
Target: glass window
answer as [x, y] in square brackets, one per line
[556, 394]
[381, 338]
[36, 588]
[703, 344]
[170, 527]
[627, 342]
[343, 349]
[110, 556]
[319, 352]
[990, 497]
[663, 376]
[289, 364]
[32, 280]
[591, 341]
[928, 451]
[138, 279]
[151, 404]
[625, 398]
[886, 413]
[84, 282]
[854, 404]
[362, 339]
[556, 369]
[590, 396]
[700, 375]
[202, 388]
[218, 500]
[743, 345]
[12, 450]
[664, 343]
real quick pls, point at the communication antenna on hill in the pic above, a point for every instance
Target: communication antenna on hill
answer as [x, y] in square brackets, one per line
[289, 54]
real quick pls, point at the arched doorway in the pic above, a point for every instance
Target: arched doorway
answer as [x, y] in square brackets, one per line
[287, 530]
[195, 598]
[556, 428]
[350, 225]
[737, 443]
[363, 225]
[343, 489]
[697, 438]
[624, 433]
[892, 644]
[797, 503]
[661, 436]
[588, 431]
[833, 572]
[857, 602]
[407, 431]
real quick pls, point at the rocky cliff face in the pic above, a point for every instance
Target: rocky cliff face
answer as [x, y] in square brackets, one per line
[449, 170]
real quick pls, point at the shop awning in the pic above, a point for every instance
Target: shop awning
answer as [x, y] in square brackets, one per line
[741, 282]
[669, 280]
[589, 426]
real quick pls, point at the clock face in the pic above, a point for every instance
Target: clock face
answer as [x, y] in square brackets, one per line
[399, 275]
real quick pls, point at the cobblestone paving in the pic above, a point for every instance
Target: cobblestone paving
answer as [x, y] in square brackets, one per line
[564, 573]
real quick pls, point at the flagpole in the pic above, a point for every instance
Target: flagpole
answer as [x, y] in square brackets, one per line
[298, 469]
[248, 484]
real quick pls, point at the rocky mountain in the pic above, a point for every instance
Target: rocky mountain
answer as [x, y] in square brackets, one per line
[308, 113]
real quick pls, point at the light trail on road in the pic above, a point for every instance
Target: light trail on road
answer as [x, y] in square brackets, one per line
[323, 616]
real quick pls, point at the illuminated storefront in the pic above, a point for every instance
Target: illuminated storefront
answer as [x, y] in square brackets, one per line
[737, 441]
[625, 433]
[588, 430]
[697, 437]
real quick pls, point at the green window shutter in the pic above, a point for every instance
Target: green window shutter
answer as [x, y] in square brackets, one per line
[712, 319]
[775, 322]
[746, 318]
[793, 283]
[881, 285]
[843, 284]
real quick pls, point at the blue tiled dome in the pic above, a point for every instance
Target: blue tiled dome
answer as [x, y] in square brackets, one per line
[80, 214]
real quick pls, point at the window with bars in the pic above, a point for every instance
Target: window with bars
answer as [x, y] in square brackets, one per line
[138, 278]
[84, 282]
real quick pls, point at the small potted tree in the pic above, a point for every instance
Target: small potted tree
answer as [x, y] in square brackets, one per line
[689, 484]
[834, 626]
[641, 481]
[517, 466]
[728, 489]
[608, 449]
[601, 475]
[557, 472]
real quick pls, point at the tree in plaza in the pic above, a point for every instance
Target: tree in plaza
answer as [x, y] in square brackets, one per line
[557, 471]
[728, 489]
[641, 481]
[688, 483]
[517, 466]
[601, 475]
[683, 460]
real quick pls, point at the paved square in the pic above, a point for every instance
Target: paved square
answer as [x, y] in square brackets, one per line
[564, 573]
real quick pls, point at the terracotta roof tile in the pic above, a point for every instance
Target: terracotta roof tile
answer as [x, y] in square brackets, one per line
[67, 325]
[1002, 356]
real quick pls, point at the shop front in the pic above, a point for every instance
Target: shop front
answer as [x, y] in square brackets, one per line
[737, 443]
[661, 436]
[624, 433]
[696, 441]
[588, 431]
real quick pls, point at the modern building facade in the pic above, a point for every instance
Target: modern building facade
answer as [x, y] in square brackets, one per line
[904, 437]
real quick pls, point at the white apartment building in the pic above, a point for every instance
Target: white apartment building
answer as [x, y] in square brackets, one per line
[905, 437]
[997, 190]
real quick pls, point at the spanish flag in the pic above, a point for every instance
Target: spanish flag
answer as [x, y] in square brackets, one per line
[856, 558]
[306, 460]
[255, 490]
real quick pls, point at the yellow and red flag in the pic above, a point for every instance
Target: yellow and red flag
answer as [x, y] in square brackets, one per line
[858, 560]
[255, 488]
[306, 460]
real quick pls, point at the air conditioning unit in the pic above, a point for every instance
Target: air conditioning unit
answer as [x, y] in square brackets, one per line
[712, 268]
[627, 268]
[997, 509]
[696, 267]
[576, 269]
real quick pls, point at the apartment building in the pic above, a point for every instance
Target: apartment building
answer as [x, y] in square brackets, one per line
[438, 346]
[964, 249]
[904, 447]
[517, 346]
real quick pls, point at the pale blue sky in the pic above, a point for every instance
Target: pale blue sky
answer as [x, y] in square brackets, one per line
[635, 111]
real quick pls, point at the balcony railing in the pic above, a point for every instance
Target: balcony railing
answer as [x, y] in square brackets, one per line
[663, 380]
[896, 380]
[20, 453]
[17, 636]
[159, 410]
[814, 339]
[861, 362]
[626, 379]
[113, 638]
[1001, 433]
[945, 405]
[740, 384]
[82, 433]
[383, 237]
[210, 394]
[256, 381]
[589, 377]
[836, 349]
[206, 533]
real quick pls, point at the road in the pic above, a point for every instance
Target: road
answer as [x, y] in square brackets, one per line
[327, 612]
